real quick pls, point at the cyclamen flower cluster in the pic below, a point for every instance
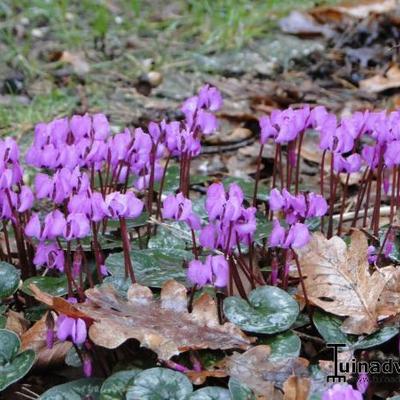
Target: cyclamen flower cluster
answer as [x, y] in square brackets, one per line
[295, 209]
[230, 224]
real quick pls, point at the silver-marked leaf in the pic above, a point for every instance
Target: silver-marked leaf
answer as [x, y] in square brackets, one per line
[283, 345]
[56, 286]
[16, 369]
[116, 386]
[153, 267]
[329, 325]
[13, 366]
[160, 384]
[240, 391]
[75, 390]
[210, 393]
[9, 279]
[269, 310]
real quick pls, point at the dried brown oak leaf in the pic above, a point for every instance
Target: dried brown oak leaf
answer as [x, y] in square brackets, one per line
[262, 375]
[338, 280]
[163, 325]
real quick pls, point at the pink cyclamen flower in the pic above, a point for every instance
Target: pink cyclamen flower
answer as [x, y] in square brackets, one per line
[50, 256]
[362, 382]
[342, 392]
[77, 226]
[179, 208]
[372, 256]
[296, 237]
[123, 205]
[215, 271]
[87, 365]
[71, 328]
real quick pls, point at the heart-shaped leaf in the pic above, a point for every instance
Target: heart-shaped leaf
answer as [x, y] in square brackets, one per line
[116, 386]
[160, 384]
[75, 390]
[210, 393]
[9, 345]
[9, 279]
[240, 391]
[329, 325]
[168, 237]
[283, 345]
[56, 286]
[153, 267]
[269, 310]
[13, 366]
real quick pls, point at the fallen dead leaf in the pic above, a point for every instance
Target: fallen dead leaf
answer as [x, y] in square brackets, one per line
[263, 376]
[303, 24]
[296, 388]
[199, 377]
[360, 9]
[164, 326]
[379, 83]
[338, 280]
[16, 322]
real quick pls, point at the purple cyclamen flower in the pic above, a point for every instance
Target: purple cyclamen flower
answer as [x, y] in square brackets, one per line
[215, 271]
[87, 366]
[348, 164]
[296, 237]
[71, 328]
[362, 382]
[179, 208]
[123, 205]
[77, 227]
[54, 225]
[372, 256]
[342, 392]
[101, 127]
[50, 256]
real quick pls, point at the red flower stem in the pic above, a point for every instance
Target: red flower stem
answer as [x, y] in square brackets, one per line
[194, 248]
[126, 247]
[398, 189]
[344, 195]
[392, 198]
[298, 163]
[321, 182]
[303, 286]
[274, 167]
[257, 175]
[360, 196]
[196, 363]
[68, 270]
[97, 252]
[85, 266]
[6, 239]
[377, 206]
[379, 255]
[158, 213]
[366, 205]
[175, 366]
[281, 166]
[237, 279]
[333, 185]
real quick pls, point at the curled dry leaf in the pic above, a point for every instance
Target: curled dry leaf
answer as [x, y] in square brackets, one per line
[262, 375]
[35, 339]
[379, 83]
[296, 388]
[16, 322]
[164, 325]
[338, 280]
[199, 377]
